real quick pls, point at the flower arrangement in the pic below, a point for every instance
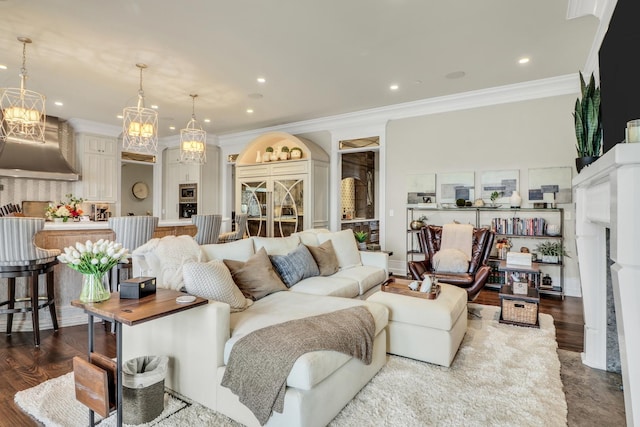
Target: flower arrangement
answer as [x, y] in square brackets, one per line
[94, 260]
[65, 209]
[503, 245]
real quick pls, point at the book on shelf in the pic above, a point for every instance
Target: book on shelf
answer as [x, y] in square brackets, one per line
[519, 226]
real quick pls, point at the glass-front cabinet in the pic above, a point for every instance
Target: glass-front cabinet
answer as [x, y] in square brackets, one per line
[282, 196]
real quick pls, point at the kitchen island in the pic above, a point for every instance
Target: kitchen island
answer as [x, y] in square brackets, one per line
[68, 282]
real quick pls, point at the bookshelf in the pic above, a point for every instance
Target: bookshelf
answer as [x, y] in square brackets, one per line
[523, 227]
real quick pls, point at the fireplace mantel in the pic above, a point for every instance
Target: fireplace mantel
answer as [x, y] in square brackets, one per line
[607, 195]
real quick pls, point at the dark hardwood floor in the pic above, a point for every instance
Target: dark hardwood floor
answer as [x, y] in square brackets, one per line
[22, 366]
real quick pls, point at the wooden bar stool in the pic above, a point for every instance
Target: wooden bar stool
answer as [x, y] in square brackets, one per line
[20, 257]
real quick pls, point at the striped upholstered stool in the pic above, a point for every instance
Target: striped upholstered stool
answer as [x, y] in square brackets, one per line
[131, 232]
[208, 228]
[20, 257]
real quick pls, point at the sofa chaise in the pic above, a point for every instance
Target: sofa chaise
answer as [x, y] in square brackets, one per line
[199, 341]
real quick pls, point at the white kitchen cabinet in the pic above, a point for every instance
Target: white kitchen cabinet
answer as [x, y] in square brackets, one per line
[284, 196]
[100, 168]
[205, 176]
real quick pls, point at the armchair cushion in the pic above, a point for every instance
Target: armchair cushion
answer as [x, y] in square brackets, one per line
[450, 261]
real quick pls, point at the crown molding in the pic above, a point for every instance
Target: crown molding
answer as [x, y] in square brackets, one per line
[543, 88]
[87, 126]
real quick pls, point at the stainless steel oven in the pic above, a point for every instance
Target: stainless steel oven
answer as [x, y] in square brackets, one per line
[188, 193]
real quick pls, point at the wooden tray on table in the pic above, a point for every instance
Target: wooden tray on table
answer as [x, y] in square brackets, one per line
[401, 286]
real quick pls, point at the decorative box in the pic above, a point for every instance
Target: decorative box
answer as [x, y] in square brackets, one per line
[137, 287]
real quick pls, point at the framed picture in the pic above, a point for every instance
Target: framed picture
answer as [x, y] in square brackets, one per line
[505, 182]
[551, 185]
[421, 189]
[456, 185]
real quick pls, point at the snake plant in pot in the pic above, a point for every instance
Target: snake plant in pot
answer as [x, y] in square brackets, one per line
[588, 124]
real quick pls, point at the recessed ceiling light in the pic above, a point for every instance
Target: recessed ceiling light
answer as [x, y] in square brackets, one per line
[59, 103]
[155, 107]
[172, 127]
[523, 60]
[207, 120]
[249, 110]
[261, 79]
[455, 75]
[119, 116]
[393, 87]
[3, 67]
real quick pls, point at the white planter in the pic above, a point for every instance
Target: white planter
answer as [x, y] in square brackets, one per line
[551, 259]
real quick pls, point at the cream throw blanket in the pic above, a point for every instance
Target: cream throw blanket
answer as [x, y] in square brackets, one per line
[260, 362]
[457, 236]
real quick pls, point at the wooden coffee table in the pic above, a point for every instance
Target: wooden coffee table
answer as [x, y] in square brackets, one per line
[131, 312]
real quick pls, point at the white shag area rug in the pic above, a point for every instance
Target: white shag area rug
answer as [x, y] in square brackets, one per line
[503, 375]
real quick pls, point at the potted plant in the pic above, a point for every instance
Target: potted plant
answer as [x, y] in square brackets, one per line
[268, 152]
[284, 153]
[361, 237]
[494, 196]
[552, 251]
[588, 124]
[296, 152]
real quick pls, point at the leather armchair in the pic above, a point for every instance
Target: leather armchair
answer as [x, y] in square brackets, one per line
[475, 278]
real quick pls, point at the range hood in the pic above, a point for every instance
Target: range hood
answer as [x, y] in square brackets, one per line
[26, 159]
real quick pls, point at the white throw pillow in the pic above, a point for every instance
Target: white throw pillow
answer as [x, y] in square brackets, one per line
[276, 245]
[172, 252]
[345, 246]
[212, 280]
[310, 237]
[450, 261]
[240, 250]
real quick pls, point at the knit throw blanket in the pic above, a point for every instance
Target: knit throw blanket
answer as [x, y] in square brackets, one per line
[260, 362]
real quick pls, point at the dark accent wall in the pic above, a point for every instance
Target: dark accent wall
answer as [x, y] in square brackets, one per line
[620, 72]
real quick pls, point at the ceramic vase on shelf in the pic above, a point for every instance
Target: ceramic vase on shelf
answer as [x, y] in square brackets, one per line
[95, 288]
[515, 199]
[258, 157]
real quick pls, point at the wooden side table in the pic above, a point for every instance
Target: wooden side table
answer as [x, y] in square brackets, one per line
[131, 312]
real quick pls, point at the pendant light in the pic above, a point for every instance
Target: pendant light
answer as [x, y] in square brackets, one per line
[23, 111]
[140, 125]
[193, 140]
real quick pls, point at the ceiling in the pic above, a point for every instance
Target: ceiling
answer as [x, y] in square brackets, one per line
[319, 57]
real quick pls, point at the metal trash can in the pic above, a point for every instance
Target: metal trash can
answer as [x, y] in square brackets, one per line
[143, 388]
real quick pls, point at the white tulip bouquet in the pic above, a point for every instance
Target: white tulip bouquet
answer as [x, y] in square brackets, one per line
[94, 260]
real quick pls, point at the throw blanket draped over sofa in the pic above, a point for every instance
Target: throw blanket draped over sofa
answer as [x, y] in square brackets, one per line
[260, 381]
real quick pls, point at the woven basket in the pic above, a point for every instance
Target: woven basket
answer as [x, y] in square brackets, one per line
[519, 311]
[141, 405]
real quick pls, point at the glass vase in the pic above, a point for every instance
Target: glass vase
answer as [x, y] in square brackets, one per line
[95, 288]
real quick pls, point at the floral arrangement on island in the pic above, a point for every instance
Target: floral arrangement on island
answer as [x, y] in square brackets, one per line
[94, 260]
[65, 209]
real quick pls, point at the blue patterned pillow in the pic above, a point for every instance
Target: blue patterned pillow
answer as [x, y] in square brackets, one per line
[295, 266]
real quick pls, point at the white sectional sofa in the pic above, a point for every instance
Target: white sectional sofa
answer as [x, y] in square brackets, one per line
[199, 341]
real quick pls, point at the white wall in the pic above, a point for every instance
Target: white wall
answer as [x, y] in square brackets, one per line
[521, 135]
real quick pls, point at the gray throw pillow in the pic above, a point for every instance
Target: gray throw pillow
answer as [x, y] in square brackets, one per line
[295, 266]
[256, 277]
[325, 256]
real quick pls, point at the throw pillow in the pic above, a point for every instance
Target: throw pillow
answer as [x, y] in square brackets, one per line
[295, 266]
[450, 261]
[345, 246]
[256, 278]
[325, 257]
[166, 256]
[212, 280]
